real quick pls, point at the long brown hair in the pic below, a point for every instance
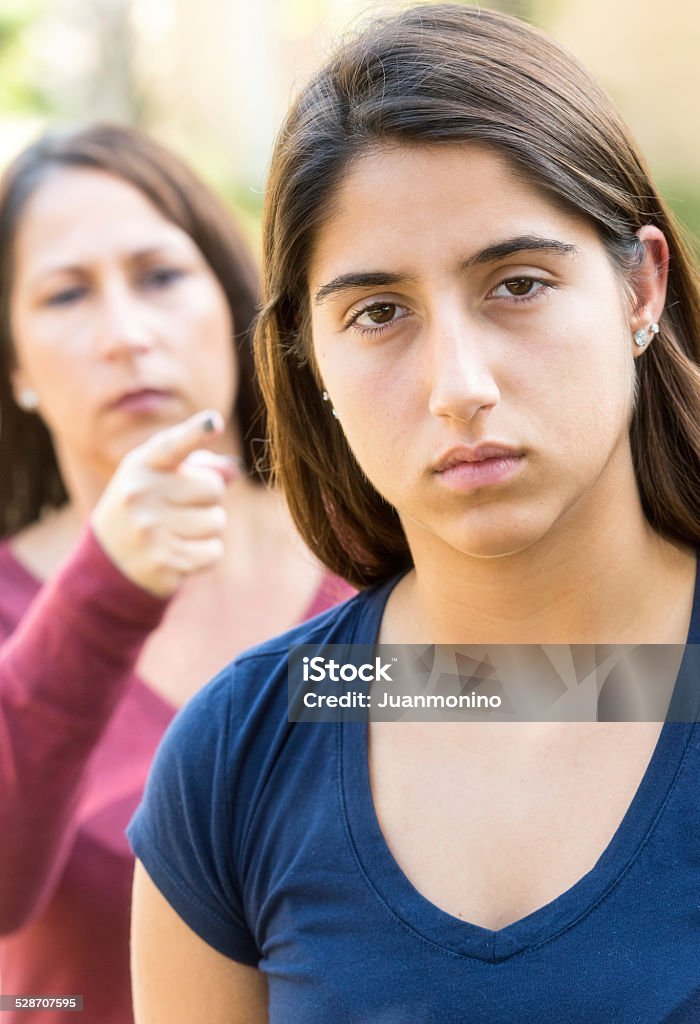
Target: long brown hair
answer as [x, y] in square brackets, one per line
[447, 73]
[29, 475]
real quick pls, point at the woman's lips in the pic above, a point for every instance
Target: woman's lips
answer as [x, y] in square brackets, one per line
[466, 475]
[144, 400]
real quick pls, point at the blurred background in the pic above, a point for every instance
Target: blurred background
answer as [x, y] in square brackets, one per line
[212, 78]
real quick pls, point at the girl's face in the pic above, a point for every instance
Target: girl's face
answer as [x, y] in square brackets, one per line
[118, 322]
[476, 344]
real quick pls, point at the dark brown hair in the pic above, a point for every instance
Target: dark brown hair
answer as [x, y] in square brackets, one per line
[29, 475]
[445, 74]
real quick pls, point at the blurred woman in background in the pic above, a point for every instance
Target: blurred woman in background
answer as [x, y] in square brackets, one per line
[141, 550]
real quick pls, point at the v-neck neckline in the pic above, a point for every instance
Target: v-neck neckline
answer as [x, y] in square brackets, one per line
[455, 935]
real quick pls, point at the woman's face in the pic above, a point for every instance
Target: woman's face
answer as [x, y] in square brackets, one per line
[118, 322]
[475, 342]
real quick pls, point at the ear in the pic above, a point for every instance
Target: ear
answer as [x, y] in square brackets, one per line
[649, 280]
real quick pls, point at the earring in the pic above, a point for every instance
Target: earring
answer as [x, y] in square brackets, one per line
[28, 400]
[641, 337]
[326, 398]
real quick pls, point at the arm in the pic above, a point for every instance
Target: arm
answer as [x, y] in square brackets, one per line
[189, 834]
[62, 673]
[64, 669]
[177, 978]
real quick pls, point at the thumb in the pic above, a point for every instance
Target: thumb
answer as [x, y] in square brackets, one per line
[168, 448]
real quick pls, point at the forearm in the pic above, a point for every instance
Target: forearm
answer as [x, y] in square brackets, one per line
[62, 673]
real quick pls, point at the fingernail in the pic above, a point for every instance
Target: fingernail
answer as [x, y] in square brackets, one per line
[211, 422]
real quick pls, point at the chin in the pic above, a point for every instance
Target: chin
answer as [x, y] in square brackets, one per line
[496, 546]
[500, 534]
[125, 440]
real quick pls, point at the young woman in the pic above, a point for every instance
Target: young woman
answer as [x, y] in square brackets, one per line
[128, 400]
[480, 352]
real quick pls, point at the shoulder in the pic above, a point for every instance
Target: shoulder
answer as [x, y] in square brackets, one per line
[336, 624]
[17, 588]
[224, 759]
[330, 592]
[87, 588]
[12, 572]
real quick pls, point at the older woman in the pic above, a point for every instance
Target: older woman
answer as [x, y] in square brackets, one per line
[128, 404]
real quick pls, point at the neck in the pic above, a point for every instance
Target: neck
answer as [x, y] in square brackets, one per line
[600, 575]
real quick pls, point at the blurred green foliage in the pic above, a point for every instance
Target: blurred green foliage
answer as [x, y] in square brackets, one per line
[683, 197]
[20, 92]
[24, 92]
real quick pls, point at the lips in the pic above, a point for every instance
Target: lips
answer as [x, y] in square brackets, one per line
[140, 398]
[464, 469]
[464, 454]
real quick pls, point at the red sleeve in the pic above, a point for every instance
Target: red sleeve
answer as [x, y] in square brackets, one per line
[62, 673]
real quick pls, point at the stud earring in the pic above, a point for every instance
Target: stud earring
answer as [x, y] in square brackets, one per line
[327, 398]
[642, 336]
[28, 400]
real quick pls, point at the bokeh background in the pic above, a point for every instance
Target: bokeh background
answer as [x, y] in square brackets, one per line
[212, 78]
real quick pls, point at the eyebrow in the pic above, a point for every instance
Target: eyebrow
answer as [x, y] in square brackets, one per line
[509, 247]
[75, 268]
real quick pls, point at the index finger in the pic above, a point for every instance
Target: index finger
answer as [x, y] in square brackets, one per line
[168, 448]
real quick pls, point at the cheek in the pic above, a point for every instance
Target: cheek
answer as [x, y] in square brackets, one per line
[51, 358]
[383, 419]
[575, 376]
[597, 400]
[199, 319]
[208, 341]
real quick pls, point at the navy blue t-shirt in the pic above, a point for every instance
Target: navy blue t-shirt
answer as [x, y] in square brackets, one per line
[263, 836]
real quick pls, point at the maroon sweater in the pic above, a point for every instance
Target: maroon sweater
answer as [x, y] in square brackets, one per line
[78, 730]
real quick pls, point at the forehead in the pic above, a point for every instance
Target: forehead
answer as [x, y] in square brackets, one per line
[78, 214]
[420, 203]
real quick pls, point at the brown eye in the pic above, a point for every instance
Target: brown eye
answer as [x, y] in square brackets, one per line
[519, 285]
[381, 314]
[378, 316]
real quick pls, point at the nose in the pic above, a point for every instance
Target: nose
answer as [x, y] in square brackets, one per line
[462, 381]
[124, 329]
